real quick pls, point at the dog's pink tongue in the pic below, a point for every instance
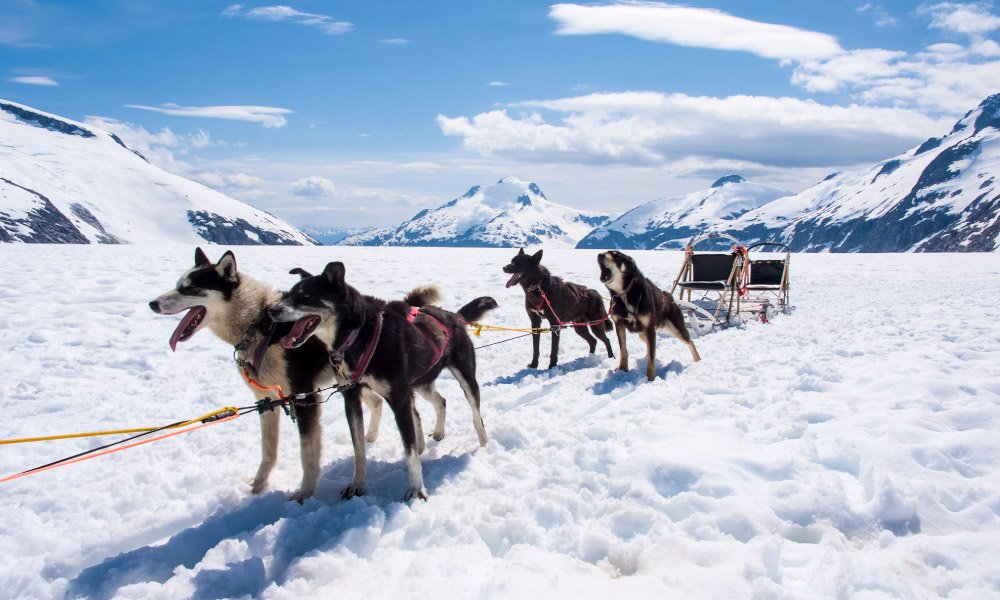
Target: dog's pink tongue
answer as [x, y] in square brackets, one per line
[514, 279]
[191, 315]
[297, 330]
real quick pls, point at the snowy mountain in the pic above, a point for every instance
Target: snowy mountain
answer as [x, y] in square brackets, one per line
[331, 236]
[65, 182]
[671, 222]
[942, 196]
[509, 213]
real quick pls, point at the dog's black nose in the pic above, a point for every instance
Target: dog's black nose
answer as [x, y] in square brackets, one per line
[155, 306]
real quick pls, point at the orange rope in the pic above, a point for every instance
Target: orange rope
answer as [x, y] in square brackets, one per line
[260, 386]
[133, 445]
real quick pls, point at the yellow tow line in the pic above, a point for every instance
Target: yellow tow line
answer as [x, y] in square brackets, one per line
[67, 436]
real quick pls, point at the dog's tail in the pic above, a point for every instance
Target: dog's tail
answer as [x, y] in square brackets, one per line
[473, 311]
[423, 296]
[607, 325]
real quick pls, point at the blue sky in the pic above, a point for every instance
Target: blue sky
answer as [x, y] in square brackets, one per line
[362, 113]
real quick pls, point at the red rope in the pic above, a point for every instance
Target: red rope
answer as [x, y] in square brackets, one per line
[562, 323]
[745, 274]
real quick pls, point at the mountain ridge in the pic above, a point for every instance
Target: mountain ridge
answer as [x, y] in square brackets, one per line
[67, 182]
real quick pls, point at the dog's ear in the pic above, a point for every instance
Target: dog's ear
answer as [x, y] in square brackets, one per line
[536, 258]
[200, 258]
[226, 267]
[334, 272]
[520, 252]
[300, 272]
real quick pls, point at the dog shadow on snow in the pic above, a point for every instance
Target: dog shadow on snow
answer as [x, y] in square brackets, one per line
[324, 522]
[588, 361]
[624, 381]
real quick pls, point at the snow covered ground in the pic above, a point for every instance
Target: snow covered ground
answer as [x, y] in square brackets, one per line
[850, 449]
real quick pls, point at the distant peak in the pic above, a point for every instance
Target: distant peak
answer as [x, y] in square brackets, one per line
[472, 191]
[534, 189]
[728, 179]
[990, 113]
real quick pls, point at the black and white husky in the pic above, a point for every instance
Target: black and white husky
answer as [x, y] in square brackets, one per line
[234, 306]
[390, 349]
[641, 307]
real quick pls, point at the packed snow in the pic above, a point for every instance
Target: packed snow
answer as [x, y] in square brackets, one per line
[848, 449]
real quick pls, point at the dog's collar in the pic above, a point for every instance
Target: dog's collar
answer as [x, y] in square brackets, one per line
[624, 298]
[240, 349]
[336, 357]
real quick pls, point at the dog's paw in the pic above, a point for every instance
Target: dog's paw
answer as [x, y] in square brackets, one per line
[352, 491]
[257, 486]
[300, 496]
[553, 365]
[437, 437]
[415, 493]
[370, 438]
[622, 368]
[533, 365]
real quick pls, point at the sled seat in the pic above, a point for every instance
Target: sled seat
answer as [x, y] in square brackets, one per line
[766, 274]
[710, 272]
[769, 276]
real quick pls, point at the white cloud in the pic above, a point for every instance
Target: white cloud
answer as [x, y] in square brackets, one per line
[935, 81]
[229, 181]
[882, 17]
[203, 139]
[498, 84]
[268, 116]
[395, 41]
[324, 23]
[694, 27]
[650, 128]
[886, 20]
[945, 78]
[857, 66]
[314, 186]
[35, 80]
[163, 148]
[972, 19]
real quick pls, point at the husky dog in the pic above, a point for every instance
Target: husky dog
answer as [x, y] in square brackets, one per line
[640, 307]
[546, 295]
[386, 348]
[234, 307]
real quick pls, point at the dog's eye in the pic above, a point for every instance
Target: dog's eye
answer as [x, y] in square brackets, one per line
[187, 290]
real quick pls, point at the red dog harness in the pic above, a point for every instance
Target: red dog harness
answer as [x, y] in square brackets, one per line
[411, 318]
